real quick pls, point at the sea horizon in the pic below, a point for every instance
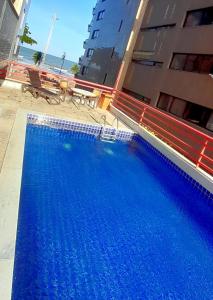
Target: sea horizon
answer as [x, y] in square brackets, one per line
[52, 62]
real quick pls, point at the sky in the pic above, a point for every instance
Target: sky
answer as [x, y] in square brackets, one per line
[70, 29]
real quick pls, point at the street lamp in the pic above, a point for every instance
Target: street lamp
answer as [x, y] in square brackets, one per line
[54, 19]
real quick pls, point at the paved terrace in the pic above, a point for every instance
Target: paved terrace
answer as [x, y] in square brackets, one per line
[12, 100]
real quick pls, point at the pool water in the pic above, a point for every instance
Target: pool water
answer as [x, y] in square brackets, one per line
[102, 220]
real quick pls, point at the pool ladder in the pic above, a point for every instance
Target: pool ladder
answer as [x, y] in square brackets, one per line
[104, 134]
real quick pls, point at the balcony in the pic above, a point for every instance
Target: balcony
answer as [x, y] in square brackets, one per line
[85, 43]
[137, 55]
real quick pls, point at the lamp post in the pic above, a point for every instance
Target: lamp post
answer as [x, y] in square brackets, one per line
[62, 61]
[54, 19]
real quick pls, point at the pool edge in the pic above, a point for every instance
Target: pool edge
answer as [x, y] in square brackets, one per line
[176, 158]
[10, 183]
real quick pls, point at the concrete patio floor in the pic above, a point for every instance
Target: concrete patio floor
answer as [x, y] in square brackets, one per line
[12, 100]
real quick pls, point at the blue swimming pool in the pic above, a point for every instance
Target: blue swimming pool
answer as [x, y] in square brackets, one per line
[102, 220]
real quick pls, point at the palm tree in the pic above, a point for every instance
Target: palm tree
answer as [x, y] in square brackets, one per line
[26, 36]
[75, 69]
[37, 57]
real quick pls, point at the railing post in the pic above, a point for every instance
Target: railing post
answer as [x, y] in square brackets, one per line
[142, 115]
[201, 153]
[9, 69]
[114, 94]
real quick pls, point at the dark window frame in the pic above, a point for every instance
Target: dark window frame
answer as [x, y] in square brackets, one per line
[100, 15]
[202, 10]
[189, 110]
[148, 63]
[197, 61]
[93, 37]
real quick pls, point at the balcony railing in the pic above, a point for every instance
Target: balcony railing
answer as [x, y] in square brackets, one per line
[195, 145]
[137, 55]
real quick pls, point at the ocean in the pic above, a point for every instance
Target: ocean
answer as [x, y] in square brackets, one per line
[52, 63]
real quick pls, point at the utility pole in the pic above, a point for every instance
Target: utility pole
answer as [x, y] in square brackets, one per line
[62, 61]
[54, 19]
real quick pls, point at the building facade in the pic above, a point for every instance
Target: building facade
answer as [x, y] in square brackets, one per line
[109, 33]
[12, 14]
[172, 63]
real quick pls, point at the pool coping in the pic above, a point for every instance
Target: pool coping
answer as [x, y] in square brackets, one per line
[198, 175]
[10, 183]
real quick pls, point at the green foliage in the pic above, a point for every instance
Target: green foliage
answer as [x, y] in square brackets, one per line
[75, 69]
[37, 57]
[26, 37]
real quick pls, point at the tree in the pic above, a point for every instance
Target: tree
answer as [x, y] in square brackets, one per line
[37, 57]
[26, 38]
[75, 69]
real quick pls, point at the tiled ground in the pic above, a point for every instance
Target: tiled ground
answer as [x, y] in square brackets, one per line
[11, 100]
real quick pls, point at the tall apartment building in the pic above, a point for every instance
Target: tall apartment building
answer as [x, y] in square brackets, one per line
[171, 64]
[172, 61]
[109, 34]
[12, 14]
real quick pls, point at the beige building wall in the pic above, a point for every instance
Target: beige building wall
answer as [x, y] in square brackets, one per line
[158, 44]
[18, 5]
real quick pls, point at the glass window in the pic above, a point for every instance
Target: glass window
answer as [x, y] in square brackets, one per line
[193, 113]
[178, 61]
[100, 15]
[197, 114]
[193, 63]
[95, 34]
[190, 64]
[199, 17]
[193, 18]
[178, 107]
[207, 17]
[84, 70]
[164, 102]
[120, 26]
[209, 125]
[206, 66]
[90, 52]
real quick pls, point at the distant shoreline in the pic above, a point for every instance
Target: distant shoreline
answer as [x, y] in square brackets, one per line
[52, 63]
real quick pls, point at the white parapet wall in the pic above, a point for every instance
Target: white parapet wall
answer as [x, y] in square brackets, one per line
[183, 163]
[11, 84]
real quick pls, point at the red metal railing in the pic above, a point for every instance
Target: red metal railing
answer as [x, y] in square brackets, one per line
[21, 73]
[190, 142]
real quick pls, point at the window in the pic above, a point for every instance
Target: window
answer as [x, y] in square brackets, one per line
[84, 70]
[136, 95]
[198, 63]
[193, 113]
[155, 28]
[95, 34]
[178, 107]
[105, 77]
[120, 26]
[150, 63]
[100, 15]
[113, 51]
[209, 125]
[90, 52]
[199, 17]
[164, 102]
[197, 114]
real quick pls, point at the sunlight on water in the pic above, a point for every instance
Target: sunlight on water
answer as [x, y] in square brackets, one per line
[109, 151]
[67, 146]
